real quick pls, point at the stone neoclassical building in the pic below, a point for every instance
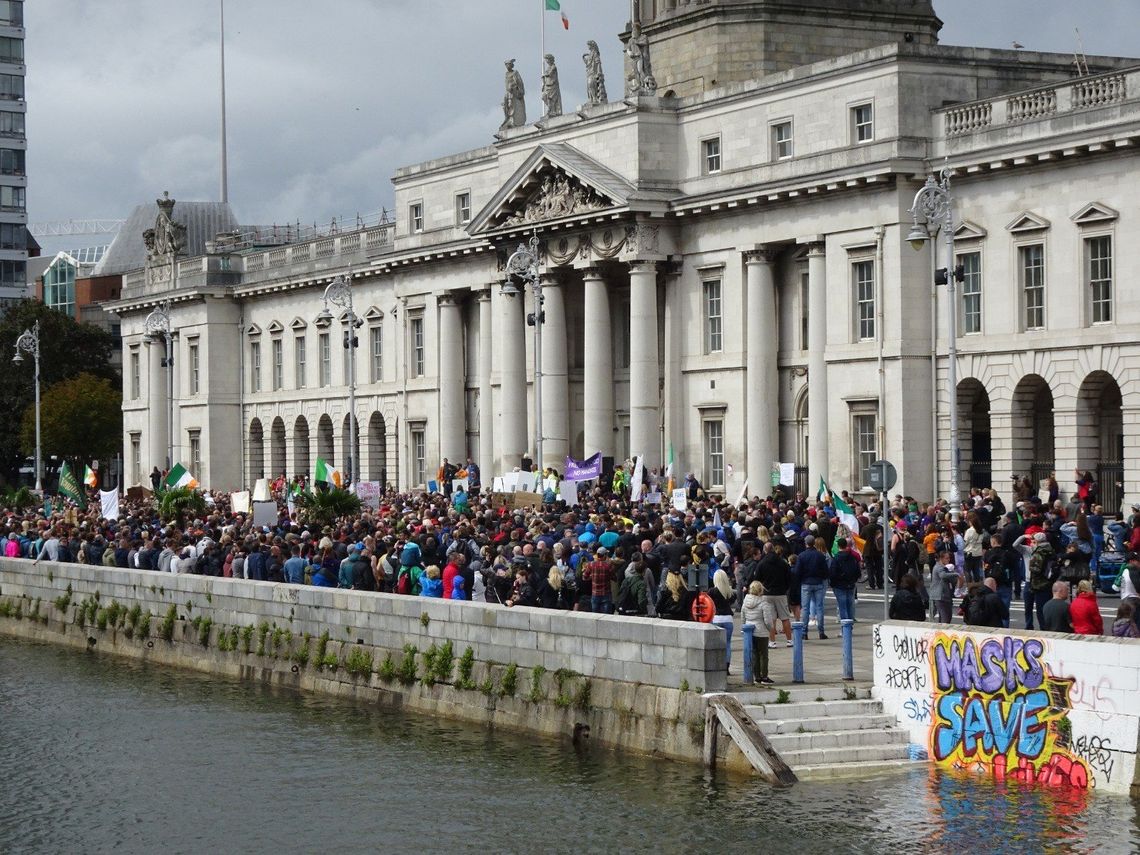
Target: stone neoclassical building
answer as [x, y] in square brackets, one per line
[726, 271]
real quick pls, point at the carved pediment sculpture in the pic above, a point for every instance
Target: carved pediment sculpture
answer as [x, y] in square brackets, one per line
[558, 195]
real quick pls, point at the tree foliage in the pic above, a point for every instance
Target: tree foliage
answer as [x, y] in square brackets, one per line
[80, 419]
[67, 349]
[324, 507]
[181, 503]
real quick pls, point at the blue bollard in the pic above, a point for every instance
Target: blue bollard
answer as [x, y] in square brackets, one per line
[798, 651]
[748, 631]
[847, 626]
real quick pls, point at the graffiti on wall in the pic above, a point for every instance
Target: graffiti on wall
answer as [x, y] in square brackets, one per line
[997, 707]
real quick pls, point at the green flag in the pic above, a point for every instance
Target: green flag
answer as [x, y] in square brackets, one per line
[69, 486]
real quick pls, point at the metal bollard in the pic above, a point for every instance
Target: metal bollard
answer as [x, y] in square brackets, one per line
[847, 626]
[798, 651]
[748, 631]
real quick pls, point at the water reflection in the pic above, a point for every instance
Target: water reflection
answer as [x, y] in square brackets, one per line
[105, 755]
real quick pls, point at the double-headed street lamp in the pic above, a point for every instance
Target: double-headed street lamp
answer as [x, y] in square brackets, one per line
[339, 293]
[523, 266]
[157, 327]
[29, 342]
[933, 211]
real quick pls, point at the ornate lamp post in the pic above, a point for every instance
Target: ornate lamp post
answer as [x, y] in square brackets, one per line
[339, 293]
[157, 326]
[523, 266]
[934, 207]
[29, 342]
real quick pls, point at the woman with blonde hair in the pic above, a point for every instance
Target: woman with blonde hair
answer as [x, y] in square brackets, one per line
[675, 598]
[550, 589]
[723, 597]
[759, 612]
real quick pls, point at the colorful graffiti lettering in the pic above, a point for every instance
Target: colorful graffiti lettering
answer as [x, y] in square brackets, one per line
[997, 706]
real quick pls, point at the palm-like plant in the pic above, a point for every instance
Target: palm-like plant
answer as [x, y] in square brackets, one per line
[324, 507]
[179, 503]
[18, 500]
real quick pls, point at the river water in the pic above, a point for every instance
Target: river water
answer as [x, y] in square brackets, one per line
[103, 755]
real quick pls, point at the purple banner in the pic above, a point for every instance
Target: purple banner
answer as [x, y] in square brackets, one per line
[584, 470]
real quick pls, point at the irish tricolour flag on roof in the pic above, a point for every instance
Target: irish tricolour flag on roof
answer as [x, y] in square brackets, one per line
[556, 6]
[179, 477]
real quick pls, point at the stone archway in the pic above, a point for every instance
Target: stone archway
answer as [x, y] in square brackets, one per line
[325, 445]
[301, 462]
[256, 451]
[377, 449]
[1032, 429]
[974, 442]
[277, 448]
[1100, 436]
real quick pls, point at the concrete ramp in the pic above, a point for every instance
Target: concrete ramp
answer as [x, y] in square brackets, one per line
[725, 712]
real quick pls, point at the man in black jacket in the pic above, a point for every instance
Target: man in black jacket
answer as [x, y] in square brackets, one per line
[813, 572]
[843, 573]
[984, 607]
[775, 575]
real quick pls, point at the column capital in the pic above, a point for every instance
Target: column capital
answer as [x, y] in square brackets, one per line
[638, 266]
[483, 293]
[816, 244]
[761, 254]
[449, 298]
[593, 274]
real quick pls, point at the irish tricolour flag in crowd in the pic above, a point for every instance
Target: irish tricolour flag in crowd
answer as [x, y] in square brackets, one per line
[89, 477]
[328, 474]
[179, 477]
[843, 511]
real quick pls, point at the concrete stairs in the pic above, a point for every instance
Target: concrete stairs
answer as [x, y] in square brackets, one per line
[829, 732]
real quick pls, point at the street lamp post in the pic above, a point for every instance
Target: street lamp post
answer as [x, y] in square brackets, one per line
[934, 206]
[339, 293]
[523, 265]
[29, 342]
[157, 326]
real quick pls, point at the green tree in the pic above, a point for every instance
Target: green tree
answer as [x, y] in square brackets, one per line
[67, 349]
[80, 419]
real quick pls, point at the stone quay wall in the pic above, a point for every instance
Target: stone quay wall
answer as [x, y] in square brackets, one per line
[1034, 707]
[627, 683]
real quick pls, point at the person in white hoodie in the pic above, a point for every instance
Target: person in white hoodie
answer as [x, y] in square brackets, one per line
[762, 615]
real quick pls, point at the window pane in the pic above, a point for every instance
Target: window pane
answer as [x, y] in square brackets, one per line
[864, 276]
[714, 453]
[1099, 253]
[971, 292]
[377, 351]
[1033, 285]
[299, 361]
[714, 340]
[866, 447]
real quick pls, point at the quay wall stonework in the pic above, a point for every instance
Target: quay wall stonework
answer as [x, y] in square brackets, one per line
[630, 684]
[1033, 707]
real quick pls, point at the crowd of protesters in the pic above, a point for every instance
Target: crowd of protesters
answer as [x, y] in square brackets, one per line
[773, 560]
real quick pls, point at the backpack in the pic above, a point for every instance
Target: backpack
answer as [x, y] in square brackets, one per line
[404, 581]
[976, 612]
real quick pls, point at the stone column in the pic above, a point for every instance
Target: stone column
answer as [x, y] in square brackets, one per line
[817, 365]
[511, 339]
[452, 416]
[157, 409]
[762, 383]
[673, 348]
[486, 459]
[1130, 414]
[644, 372]
[555, 379]
[597, 366]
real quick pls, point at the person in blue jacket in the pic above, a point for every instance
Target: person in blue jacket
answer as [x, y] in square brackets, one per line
[431, 585]
[457, 589]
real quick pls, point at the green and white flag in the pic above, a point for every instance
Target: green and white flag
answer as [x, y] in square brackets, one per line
[69, 486]
[179, 477]
[556, 6]
[846, 514]
[824, 494]
[328, 474]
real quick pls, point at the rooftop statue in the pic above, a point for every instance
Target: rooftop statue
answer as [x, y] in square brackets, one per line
[167, 238]
[641, 80]
[514, 105]
[595, 77]
[551, 91]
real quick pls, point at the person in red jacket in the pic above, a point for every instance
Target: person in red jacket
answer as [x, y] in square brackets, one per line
[1084, 611]
[454, 568]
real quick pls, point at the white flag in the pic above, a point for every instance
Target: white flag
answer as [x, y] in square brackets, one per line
[109, 501]
[638, 478]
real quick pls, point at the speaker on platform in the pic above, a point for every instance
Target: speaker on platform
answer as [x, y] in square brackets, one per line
[607, 471]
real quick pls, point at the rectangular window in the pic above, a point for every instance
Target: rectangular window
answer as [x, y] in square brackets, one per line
[417, 342]
[14, 274]
[714, 453]
[804, 291]
[781, 140]
[136, 374]
[136, 458]
[326, 360]
[419, 456]
[11, 124]
[255, 366]
[11, 161]
[863, 279]
[12, 198]
[11, 87]
[416, 217]
[13, 236]
[193, 365]
[299, 361]
[278, 364]
[864, 432]
[971, 263]
[1032, 268]
[714, 329]
[12, 12]
[862, 123]
[195, 452]
[462, 208]
[376, 351]
[1098, 255]
[11, 50]
[710, 156]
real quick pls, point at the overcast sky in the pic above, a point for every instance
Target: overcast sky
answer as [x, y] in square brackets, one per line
[326, 100]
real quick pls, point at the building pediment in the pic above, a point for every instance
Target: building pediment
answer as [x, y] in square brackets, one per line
[1095, 214]
[1028, 222]
[556, 183]
[969, 231]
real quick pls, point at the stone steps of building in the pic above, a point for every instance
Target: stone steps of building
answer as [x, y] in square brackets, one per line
[845, 755]
[815, 724]
[814, 709]
[832, 739]
[863, 770]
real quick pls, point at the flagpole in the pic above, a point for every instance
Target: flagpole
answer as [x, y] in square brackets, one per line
[541, 55]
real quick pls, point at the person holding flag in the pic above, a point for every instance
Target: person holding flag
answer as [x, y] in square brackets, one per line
[327, 474]
[69, 486]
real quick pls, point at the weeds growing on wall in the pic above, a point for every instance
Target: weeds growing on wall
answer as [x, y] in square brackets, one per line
[358, 662]
[262, 631]
[144, 625]
[387, 669]
[466, 664]
[166, 629]
[322, 645]
[510, 682]
[406, 673]
[302, 653]
[63, 602]
[537, 694]
[246, 638]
